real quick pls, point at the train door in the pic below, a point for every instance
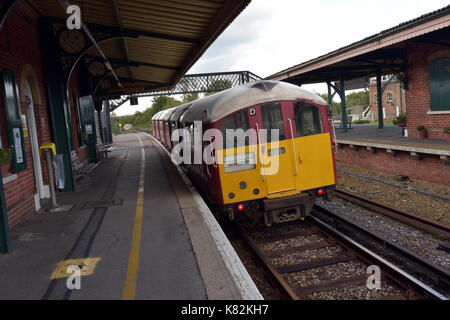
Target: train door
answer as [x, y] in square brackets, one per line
[312, 147]
[275, 149]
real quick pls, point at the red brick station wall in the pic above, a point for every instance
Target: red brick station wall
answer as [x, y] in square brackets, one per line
[428, 167]
[20, 51]
[418, 95]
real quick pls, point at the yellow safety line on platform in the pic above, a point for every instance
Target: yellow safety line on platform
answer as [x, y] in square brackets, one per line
[133, 261]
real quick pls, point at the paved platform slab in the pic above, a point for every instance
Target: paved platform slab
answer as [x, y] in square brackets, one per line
[135, 221]
[390, 137]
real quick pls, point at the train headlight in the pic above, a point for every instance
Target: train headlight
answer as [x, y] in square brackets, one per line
[239, 162]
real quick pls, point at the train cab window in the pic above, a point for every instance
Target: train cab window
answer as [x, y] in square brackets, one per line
[307, 119]
[272, 118]
[238, 120]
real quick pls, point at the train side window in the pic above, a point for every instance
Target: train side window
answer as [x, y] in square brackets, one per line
[307, 119]
[238, 120]
[272, 118]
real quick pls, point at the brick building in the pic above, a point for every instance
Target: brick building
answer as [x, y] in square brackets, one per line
[394, 100]
[54, 80]
[25, 178]
[20, 54]
[428, 97]
[417, 53]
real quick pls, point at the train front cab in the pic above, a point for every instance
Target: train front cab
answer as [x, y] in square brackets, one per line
[305, 170]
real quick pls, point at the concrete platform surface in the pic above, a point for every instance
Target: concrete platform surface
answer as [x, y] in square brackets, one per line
[389, 135]
[137, 231]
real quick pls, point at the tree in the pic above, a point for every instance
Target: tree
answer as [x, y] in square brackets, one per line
[360, 98]
[189, 97]
[218, 85]
[164, 102]
[336, 105]
[144, 119]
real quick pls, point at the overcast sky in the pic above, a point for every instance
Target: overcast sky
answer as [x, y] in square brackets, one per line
[270, 36]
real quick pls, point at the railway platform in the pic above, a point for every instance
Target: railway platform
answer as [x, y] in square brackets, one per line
[389, 151]
[137, 230]
[391, 136]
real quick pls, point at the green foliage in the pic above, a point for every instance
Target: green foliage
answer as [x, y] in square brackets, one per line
[360, 98]
[218, 85]
[420, 128]
[5, 156]
[189, 97]
[401, 119]
[447, 130]
[144, 119]
[361, 121]
[162, 103]
[336, 106]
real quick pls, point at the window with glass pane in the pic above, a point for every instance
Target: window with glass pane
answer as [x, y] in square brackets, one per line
[307, 119]
[272, 118]
[238, 120]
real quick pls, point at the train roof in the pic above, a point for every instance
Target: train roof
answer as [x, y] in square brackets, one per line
[156, 116]
[167, 113]
[179, 111]
[219, 105]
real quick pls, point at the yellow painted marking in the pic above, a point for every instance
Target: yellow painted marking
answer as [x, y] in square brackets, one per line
[133, 260]
[87, 266]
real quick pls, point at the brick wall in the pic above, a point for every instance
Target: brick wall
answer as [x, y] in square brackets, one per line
[20, 51]
[390, 107]
[429, 167]
[418, 95]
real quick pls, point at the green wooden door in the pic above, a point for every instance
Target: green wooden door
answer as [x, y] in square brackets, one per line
[13, 121]
[440, 85]
[88, 130]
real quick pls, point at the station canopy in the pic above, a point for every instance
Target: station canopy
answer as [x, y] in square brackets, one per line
[150, 44]
[384, 52]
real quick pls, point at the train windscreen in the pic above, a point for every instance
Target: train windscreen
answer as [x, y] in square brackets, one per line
[307, 119]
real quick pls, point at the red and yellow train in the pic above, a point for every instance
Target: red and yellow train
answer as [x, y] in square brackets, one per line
[269, 177]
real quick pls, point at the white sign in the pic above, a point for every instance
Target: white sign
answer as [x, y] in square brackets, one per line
[18, 145]
[89, 129]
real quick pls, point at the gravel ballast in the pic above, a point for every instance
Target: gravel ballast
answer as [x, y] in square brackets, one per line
[400, 198]
[415, 240]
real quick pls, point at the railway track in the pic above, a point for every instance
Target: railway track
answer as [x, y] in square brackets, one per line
[313, 260]
[435, 196]
[436, 228]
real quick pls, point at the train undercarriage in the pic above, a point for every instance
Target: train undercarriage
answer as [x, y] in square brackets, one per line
[275, 210]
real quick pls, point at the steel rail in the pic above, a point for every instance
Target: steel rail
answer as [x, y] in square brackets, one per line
[436, 196]
[394, 213]
[412, 256]
[419, 285]
[276, 277]
[397, 275]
